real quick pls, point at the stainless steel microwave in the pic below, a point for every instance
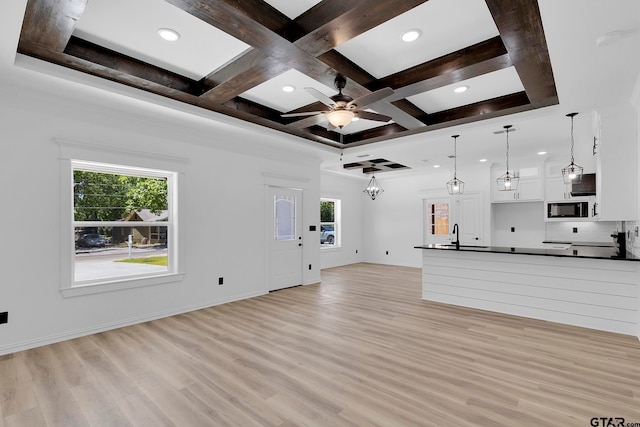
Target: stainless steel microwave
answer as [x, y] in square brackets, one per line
[567, 210]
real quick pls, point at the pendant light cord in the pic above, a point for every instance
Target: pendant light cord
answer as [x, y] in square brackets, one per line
[507, 130]
[572, 139]
[455, 156]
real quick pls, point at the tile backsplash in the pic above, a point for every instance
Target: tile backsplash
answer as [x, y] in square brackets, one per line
[597, 231]
[633, 241]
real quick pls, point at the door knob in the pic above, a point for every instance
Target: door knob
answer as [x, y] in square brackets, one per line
[299, 244]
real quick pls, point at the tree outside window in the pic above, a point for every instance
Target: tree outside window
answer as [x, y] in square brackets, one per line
[122, 222]
[329, 222]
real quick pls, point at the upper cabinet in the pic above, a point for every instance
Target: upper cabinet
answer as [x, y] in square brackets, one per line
[530, 187]
[616, 163]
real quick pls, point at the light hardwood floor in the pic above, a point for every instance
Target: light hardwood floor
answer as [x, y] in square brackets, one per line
[359, 349]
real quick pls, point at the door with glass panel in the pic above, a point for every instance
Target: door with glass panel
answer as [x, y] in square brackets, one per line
[285, 238]
[436, 221]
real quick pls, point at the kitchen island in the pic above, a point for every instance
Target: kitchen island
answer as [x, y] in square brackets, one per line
[581, 285]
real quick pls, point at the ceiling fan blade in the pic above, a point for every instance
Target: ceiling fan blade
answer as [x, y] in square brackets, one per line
[320, 96]
[307, 113]
[367, 115]
[363, 101]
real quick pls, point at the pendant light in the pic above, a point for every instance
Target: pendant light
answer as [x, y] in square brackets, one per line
[374, 189]
[572, 173]
[508, 181]
[455, 186]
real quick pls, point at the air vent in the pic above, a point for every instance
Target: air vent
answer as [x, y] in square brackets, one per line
[511, 130]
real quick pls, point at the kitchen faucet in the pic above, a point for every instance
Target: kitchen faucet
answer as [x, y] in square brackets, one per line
[456, 230]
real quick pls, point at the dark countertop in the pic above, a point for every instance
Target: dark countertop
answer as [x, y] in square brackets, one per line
[575, 251]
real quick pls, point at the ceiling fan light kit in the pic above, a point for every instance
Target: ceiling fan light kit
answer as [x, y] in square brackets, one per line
[572, 173]
[509, 181]
[342, 108]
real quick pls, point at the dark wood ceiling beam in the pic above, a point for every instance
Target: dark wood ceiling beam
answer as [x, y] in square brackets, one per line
[522, 33]
[231, 20]
[479, 110]
[50, 23]
[359, 18]
[473, 61]
[125, 64]
[38, 51]
[244, 78]
[377, 132]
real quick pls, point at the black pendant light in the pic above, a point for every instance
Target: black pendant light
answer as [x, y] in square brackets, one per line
[572, 173]
[508, 181]
[374, 189]
[455, 186]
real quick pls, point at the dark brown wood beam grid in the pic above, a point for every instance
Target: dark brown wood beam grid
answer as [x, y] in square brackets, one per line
[306, 44]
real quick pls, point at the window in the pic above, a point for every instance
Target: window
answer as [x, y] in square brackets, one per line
[123, 223]
[329, 222]
[285, 217]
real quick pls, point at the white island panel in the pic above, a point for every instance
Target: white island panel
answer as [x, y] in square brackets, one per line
[594, 293]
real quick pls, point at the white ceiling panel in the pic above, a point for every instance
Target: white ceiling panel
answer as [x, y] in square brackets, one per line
[487, 86]
[270, 92]
[131, 28]
[381, 51]
[293, 8]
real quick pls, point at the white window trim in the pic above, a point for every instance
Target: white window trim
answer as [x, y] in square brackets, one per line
[337, 214]
[133, 162]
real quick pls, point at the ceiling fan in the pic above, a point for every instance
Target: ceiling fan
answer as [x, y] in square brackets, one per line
[342, 108]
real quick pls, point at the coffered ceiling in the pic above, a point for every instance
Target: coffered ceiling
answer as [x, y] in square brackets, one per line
[235, 56]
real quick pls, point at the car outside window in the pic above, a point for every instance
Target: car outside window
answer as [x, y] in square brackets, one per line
[329, 222]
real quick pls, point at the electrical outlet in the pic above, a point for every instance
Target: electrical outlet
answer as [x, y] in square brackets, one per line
[513, 229]
[575, 229]
[356, 251]
[220, 280]
[4, 317]
[387, 252]
[309, 266]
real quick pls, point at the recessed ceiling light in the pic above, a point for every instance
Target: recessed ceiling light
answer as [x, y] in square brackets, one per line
[541, 153]
[288, 88]
[483, 160]
[461, 89]
[411, 36]
[436, 166]
[168, 34]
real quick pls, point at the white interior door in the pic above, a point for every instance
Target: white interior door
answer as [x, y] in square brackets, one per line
[285, 238]
[467, 212]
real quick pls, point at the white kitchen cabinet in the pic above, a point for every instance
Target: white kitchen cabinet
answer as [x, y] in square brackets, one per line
[530, 187]
[556, 190]
[616, 164]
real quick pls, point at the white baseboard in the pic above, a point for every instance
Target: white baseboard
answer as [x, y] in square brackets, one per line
[51, 339]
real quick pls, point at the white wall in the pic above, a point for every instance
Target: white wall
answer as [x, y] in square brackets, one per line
[527, 219]
[221, 206]
[349, 191]
[394, 221]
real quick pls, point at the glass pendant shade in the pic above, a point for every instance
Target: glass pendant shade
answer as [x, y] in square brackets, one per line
[455, 186]
[509, 181]
[572, 173]
[374, 189]
[340, 118]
